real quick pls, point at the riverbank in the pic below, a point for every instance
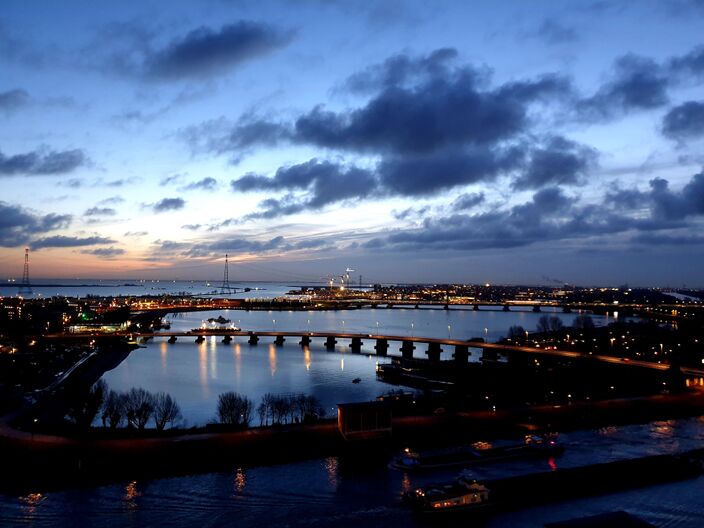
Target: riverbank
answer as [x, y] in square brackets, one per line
[40, 462]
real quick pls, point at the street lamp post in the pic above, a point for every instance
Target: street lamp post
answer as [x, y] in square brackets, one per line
[411, 329]
[274, 324]
[449, 331]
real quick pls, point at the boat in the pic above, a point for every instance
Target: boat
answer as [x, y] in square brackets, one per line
[459, 495]
[220, 320]
[215, 329]
[477, 453]
[356, 380]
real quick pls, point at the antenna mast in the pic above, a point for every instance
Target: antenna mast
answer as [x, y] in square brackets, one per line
[226, 288]
[25, 287]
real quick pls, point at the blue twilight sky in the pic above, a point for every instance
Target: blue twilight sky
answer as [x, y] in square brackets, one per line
[514, 141]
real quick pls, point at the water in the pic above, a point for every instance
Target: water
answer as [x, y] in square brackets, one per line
[332, 492]
[196, 374]
[104, 287]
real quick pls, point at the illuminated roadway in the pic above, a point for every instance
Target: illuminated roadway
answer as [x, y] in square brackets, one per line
[534, 350]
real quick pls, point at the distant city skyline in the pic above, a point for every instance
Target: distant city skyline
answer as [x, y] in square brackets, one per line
[513, 142]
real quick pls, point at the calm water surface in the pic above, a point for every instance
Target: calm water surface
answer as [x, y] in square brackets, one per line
[196, 374]
[334, 492]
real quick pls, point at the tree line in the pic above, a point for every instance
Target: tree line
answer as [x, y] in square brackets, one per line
[236, 409]
[550, 324]
[137, 407]
[134, 408]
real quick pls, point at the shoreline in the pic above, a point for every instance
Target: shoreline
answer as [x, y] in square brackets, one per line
[35, 462]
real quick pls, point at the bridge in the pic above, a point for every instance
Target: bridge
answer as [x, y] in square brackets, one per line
[434, 346]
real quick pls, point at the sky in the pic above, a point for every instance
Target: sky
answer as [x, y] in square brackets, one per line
[522, 142]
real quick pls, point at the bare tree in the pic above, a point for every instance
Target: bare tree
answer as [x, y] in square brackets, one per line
[166, 410]
[516, 333]
[583, 322]
[234, 409]
[139, 407]
[549, 323]
[84, 406]
[113, 409]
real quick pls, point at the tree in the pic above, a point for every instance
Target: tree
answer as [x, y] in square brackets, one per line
[166, 410]
[139, 407]
[549, 323]
[85, 405]
[234, 409]
[583, 322]
[516, 333]
[113, 409]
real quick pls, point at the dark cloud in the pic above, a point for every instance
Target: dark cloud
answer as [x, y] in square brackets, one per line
[554, 32]
[42, 162]
[688, 67]
[136, 233]
[324, 183]
[431, 174]
[13, 99]
[559, 162]
[399, 70]
[418, 106]
[100, 211]
[551, 215]
[432, 116]
[171, 246]
[410, 212]
[243, 245]
[174, 178]
[637, 83]
[685, 121]
[204, 51]
[60, 241]
[17, 224]
[467, 201]
[112, 200]
[104, 252]
[168, 204]
[206, 184]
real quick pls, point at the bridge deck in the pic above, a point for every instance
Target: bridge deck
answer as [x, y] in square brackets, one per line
[448, 342]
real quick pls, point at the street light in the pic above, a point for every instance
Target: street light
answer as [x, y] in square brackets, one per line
[411, 329]
[377, 327]
[449, 331]
[274, 322]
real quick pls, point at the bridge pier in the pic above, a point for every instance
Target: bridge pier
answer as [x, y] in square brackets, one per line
[330, 342]
[172, 339]
[356, 344]
[446, 307]
[407, 348]
[200, 339]
[476, 308]
[433, 351]
[536, 308]
[566, 309]
[253, 339]
[461, 354]
[227, 339]
[305, 341]
[507, 308]
[279, 341]
[381, 347]
[489, 354]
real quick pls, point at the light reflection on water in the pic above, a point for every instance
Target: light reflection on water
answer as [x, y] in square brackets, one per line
[342, 493]
[240, 481]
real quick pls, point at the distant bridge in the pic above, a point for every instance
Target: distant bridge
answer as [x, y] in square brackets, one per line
[408, 345]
